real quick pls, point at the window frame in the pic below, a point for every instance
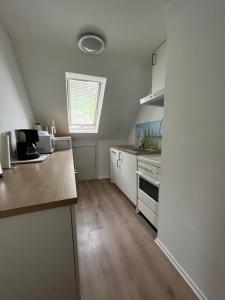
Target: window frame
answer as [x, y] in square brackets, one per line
[85, 128]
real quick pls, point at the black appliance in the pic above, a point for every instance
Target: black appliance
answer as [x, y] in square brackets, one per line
[26, 144]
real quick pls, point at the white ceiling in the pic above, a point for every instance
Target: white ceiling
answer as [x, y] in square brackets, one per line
[131, 27]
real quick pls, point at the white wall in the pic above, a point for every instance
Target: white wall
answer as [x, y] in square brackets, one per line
[44, 70]
[15, 110]
[192, 206]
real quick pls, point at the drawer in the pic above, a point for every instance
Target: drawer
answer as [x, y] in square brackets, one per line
[148, 201]
[153, 218]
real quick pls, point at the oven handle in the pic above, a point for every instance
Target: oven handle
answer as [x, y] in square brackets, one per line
[148, 178]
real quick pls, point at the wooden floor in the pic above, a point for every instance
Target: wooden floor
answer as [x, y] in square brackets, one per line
[118, 258]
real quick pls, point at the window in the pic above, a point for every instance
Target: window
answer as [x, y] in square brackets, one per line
[85, 97]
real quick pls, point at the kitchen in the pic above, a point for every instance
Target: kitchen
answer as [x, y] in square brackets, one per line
[126, 200]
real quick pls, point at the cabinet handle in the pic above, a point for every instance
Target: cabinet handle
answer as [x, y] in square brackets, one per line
[117, 163]
[120, 155]
[114, 152]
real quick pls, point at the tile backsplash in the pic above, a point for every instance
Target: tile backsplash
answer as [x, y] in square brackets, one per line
[149, 134]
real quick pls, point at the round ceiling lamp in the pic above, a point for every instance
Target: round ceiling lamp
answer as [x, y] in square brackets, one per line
[91, 43]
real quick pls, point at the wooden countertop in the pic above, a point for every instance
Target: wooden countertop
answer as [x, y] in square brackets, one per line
[36, 186]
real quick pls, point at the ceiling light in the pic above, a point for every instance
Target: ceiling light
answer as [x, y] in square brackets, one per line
[91, 43]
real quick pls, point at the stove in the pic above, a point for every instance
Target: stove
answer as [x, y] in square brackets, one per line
[148, 171]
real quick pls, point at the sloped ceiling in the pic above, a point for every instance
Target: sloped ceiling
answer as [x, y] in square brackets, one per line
[44, 73]
[44, 32]
[131, 27]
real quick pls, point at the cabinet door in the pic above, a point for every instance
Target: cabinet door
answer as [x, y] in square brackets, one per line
[85, 159]
[114, 155]
[159, 69]
[128, 177]
[41, 247]
[118, 171]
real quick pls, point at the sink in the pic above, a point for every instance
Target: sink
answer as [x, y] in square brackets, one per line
[133, 148]
[138, 150]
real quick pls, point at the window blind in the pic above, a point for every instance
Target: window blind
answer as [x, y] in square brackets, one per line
[83, 99]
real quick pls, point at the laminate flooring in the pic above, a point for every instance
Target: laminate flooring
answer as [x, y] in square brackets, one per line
[118, 258]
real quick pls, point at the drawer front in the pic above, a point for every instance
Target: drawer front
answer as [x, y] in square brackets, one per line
[153, 218]
[149, 169]
[148, 201]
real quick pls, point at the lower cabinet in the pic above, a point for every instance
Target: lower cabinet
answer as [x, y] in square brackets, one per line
[123, 168]
[39, 256]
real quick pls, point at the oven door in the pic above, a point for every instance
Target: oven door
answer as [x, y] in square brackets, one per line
[148, 192]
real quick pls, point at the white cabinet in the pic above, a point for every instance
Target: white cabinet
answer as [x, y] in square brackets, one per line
[156, 97]
[159, 69]
[123, 167]
[128, 177]
[39, 256]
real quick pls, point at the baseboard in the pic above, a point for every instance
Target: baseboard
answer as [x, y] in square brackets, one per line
[181, 271]
[103, 177]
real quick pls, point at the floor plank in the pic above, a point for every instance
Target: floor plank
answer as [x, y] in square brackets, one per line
[118, 258]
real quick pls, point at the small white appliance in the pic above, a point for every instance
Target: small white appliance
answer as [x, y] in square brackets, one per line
[148, 186]
[46, 142]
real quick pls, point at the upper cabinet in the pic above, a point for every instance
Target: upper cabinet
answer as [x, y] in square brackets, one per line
[158, 77]
[159, 68]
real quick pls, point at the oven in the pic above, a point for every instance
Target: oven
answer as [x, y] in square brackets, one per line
[148, 193]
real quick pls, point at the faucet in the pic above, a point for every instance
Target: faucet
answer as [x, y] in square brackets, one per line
[142, 144]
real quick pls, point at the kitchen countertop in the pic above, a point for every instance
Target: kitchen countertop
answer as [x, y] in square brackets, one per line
[36, 186]
[133, 150]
